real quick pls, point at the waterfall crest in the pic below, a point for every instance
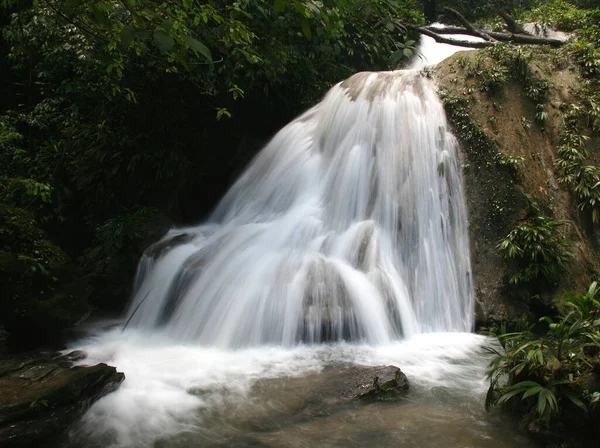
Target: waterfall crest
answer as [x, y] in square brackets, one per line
[350, 224]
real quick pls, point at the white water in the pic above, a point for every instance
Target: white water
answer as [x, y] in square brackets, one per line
[431, 53]
[350, 224]
[176, 390]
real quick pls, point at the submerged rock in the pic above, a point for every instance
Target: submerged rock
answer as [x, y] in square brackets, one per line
[333, 390]
[41, 395]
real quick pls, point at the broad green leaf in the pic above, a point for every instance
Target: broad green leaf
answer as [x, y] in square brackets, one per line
[575, 400]
[163, 41]
[396, 57]
[198, 47]
[306, 28]
[532, 391]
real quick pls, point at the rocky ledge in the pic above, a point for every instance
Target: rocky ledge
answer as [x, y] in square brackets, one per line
[40, 395]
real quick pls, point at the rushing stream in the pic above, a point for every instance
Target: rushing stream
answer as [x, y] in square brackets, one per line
[344, 243]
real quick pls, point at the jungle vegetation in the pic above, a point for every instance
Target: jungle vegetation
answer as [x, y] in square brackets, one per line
[120, 118]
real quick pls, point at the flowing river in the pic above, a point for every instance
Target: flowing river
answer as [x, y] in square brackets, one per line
[343, 244]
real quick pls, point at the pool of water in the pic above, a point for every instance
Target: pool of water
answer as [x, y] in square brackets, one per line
[188, 396]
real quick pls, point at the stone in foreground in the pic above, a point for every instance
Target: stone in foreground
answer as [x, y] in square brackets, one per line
[41, 395]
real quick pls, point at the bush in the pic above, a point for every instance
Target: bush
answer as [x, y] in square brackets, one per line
[553, 378]
[109, 265]
[559, 14]
[536, 248]
[42, 290]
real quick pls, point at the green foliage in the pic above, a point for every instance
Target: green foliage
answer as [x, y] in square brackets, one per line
[511, 163]
[485, 10]
[536, 248]
[42, 291]
[574, 172]
[518, 62]
[118, 243]
[117, 114]
[496, 66]
[558, 14]
[553, 375]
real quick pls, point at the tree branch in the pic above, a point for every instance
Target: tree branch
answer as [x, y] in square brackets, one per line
[472, 30]
[427, 31]
[502, 37]
[511, 25]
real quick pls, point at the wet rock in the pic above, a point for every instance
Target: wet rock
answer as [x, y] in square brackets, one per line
[388, 383]
[41, 395]
[333, 390]
[157, 250]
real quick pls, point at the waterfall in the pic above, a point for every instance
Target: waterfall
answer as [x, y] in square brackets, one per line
[349, 225]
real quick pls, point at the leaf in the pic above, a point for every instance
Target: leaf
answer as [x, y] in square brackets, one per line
[396, 56]
[508, 395]
[223, 112]
[306, 28]
[575, 400]
[532, 391]
[163, 41]
[546, 399]
[198, 47]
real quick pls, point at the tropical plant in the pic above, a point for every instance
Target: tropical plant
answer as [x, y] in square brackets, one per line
[536, 248]
[553, 372]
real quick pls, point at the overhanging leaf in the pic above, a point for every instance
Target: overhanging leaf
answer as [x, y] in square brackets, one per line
[198, 47]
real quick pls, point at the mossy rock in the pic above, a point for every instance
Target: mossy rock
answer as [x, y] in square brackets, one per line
[508, 154]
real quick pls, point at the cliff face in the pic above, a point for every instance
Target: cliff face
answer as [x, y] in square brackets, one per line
[509, 107]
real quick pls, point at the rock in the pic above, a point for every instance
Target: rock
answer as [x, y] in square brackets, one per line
[493, 127]
[41, 395]
[388, 383]
[280, 404]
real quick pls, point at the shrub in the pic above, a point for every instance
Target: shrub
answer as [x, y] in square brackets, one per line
[42, 292]
[536, 248]
[553, 376]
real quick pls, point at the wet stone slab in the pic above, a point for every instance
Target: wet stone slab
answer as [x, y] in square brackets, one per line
[40, 395]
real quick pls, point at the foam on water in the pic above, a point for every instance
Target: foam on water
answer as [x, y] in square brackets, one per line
[169, 384]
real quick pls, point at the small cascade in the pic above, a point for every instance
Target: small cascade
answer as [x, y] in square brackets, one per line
[349, 225]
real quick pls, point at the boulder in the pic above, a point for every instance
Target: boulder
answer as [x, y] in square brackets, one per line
[40, 395]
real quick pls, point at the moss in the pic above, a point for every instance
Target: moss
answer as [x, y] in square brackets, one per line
[510, 141]
[491, 172]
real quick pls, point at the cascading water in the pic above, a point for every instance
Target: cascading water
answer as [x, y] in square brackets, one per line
[350, 224]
